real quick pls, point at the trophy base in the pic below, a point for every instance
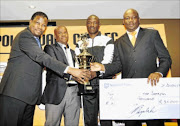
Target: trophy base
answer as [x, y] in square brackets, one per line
[88, 89]
[85, 89]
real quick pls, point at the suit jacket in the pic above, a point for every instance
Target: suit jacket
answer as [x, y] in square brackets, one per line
[55, 85]
[139, 61]
[22, 77]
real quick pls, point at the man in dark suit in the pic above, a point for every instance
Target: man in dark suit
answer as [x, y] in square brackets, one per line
[135, 56]
[20, 87]
[60, 95]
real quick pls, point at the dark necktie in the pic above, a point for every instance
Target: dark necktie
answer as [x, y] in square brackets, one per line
[69, 57]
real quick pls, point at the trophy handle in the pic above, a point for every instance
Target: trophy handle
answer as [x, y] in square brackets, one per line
[92, 59]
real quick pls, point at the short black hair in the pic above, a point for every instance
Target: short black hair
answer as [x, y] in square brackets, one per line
[39, 13]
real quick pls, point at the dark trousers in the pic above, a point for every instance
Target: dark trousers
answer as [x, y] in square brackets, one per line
[14, 112]
[91, 110]
[148, 122]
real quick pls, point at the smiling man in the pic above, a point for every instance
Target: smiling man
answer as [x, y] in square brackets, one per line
[21, 85]
[64, 100]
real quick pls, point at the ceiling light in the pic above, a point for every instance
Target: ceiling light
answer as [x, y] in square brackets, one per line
[32, 6]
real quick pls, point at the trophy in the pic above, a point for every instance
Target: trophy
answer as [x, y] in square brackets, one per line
[84, 59]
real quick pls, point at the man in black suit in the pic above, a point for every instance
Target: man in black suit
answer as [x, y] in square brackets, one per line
[61, 93]
[135, 56]
[20, 87]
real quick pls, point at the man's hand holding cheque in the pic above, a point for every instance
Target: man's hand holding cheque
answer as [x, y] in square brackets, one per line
[153, 78]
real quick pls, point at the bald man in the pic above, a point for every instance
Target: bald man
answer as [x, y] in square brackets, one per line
[60, 95]
[135, 56]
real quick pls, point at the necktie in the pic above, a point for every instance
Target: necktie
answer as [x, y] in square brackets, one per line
[133, 39]
[38, 42]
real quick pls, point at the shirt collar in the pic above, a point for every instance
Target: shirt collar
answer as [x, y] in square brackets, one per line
[62, 45]
[36, 37]
[99, 34]
[137, 30]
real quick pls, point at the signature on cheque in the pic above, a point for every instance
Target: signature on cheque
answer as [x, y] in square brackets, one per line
[139, 110]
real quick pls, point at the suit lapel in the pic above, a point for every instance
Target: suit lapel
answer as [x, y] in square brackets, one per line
[73, 57]
[127, 40]
[139, 37]
[59, 48]
[28, 30]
